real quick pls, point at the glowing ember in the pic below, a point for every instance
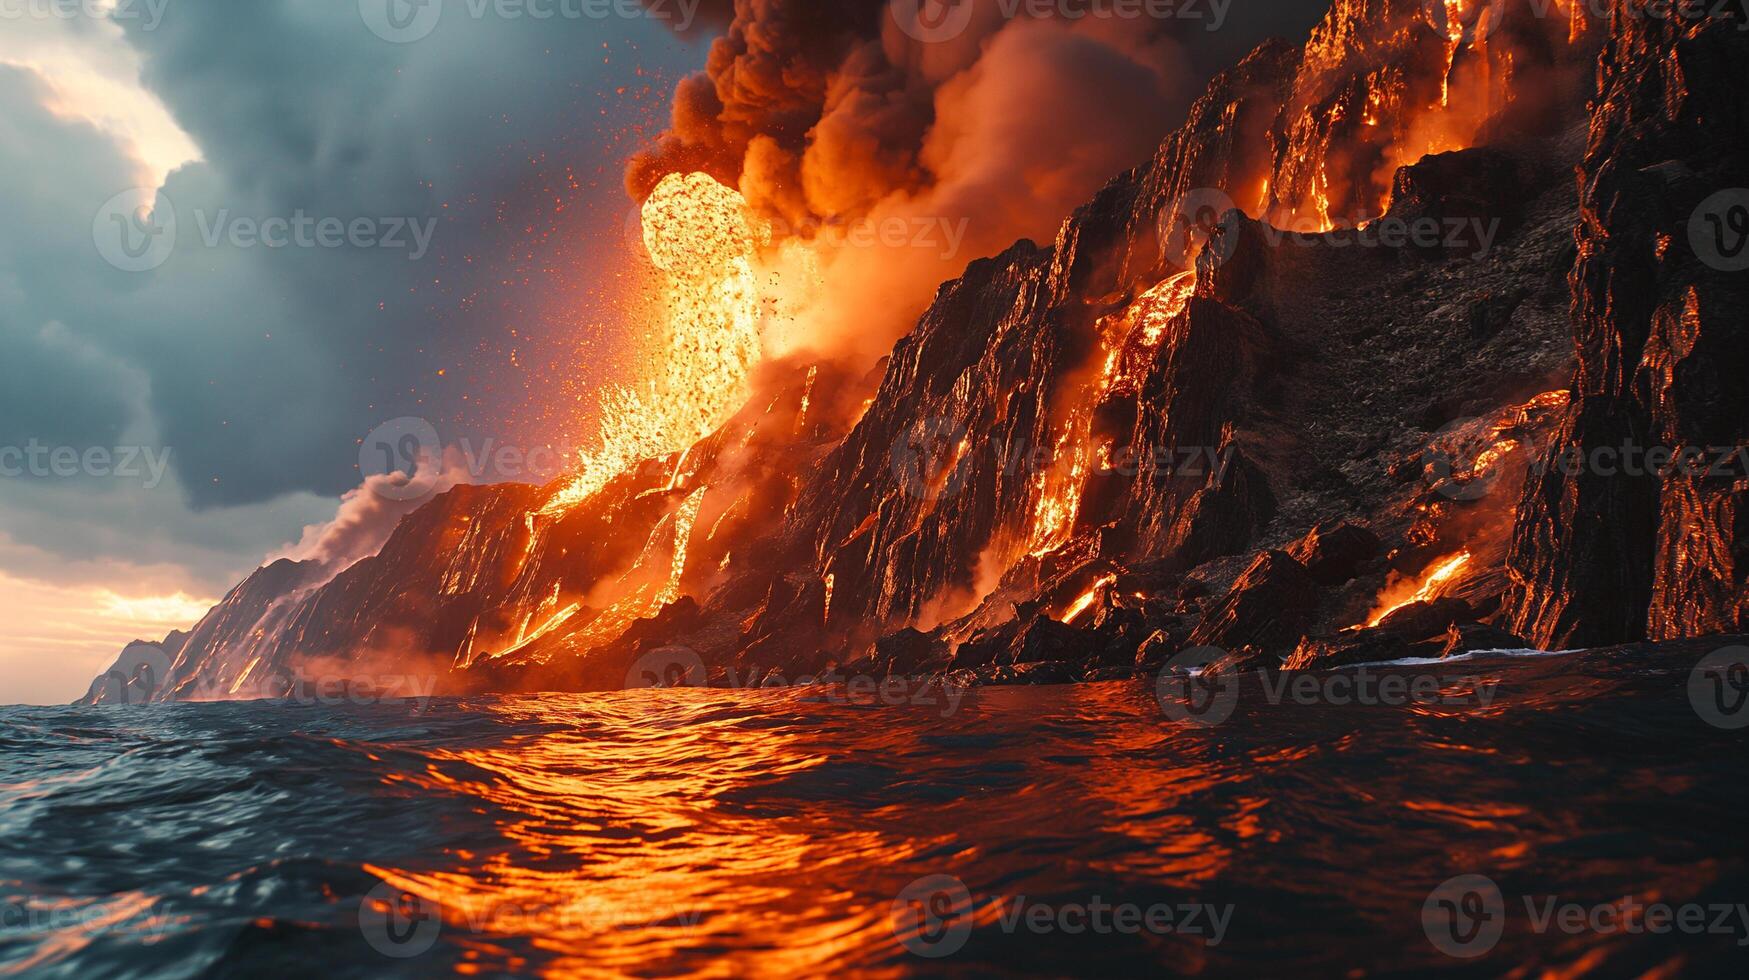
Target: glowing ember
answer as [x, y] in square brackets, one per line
[699, 234]
[1430, 586]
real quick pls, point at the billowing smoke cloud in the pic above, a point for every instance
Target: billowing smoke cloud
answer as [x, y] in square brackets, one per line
[369, 513]
[912, 150]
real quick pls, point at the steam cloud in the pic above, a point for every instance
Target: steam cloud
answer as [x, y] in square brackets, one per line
[830, 116]
[367, 515]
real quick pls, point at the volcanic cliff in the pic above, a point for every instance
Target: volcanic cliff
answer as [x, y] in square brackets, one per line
[1213, 412]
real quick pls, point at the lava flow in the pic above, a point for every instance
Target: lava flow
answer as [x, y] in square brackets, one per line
[1431, 585]
[1059, 487]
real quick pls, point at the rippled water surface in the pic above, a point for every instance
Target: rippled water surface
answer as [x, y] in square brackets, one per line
[770, 833]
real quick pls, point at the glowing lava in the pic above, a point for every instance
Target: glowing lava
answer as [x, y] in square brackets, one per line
[1059, 486]
[1434, 582]
[1080, 605]
[699, 234]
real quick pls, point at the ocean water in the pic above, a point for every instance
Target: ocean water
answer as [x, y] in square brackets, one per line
[1044, 831]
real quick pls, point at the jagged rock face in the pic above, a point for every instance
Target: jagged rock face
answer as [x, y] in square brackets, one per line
[195, 663]
[138, 674]
[937, 466]
[471, 578]
[1606, 557]
[982, 385]
[1269, 608]
[415, 602]
[1420, 629]
[1334, 553]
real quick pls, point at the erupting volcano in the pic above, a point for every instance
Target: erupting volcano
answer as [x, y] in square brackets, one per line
[1295, 387]
[1115, 512]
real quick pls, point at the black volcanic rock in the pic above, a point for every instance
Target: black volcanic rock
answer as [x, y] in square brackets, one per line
[1419, 629]
[1334, 553]
[1269, 608]
[1045, 639]
[1663, 341]
[1470, 637]
[1457, 189]
[909, 652]
[1225, 515]
[1119, 633]
[213, 656]
[139, 674]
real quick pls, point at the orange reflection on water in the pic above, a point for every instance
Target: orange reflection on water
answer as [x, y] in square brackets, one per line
[621, 849]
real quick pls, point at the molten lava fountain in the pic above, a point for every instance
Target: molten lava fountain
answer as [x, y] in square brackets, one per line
[700, 237]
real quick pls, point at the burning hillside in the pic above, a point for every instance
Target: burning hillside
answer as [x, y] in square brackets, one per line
[1295, 387]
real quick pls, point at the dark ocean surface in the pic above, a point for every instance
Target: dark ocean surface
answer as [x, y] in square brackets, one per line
[1043, 831]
